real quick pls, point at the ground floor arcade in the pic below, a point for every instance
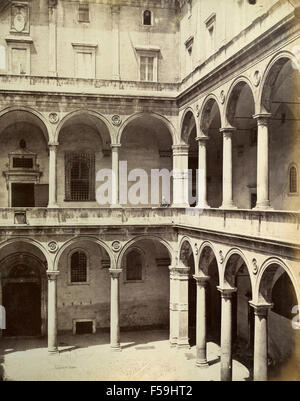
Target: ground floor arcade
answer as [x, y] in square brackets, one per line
[199, 292]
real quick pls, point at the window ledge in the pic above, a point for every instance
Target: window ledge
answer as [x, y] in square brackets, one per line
[147, 48]
[19, 39]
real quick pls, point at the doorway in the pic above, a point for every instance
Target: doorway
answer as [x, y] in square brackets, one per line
[22, 302]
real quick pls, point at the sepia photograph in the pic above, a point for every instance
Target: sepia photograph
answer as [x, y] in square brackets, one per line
[149, 193]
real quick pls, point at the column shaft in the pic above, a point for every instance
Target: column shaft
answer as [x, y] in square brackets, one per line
[115, 310]
[52, 311]
[180, 176]
[202, 183]
[227, 167]
[226, 334]
[173, 308]
[115, 176]
[201, 322]
[262, 161]
[183, 308]
[260, 371]
[52, 175]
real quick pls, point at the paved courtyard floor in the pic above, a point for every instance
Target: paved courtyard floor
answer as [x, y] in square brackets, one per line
[146, 355]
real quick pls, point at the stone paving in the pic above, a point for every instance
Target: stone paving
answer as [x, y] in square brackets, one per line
[146, 355]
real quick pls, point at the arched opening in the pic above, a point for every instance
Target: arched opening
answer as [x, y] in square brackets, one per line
[277, 289]
[23, 289]
[210, 126]
[83, 287]
[189, 134]
[147, 17]
[280, 98]
[144, 299]
[24, 152]
[187, 259]
[209, 267]
[237, 276]
[240, 111]
[84, 149]
[146, 156]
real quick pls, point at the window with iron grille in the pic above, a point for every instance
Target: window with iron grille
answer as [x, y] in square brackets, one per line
[79, 176]
[134, 266]
[22, 162]
[293, 180]
[83, 13]
[78, 267]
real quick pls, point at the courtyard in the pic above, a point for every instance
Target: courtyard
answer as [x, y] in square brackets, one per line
[146, 355]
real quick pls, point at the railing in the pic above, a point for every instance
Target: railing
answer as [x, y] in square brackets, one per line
[273, 225]
[90, 86]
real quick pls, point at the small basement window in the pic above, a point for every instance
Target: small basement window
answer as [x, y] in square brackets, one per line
[84, 327]
[83, 13]
[22, 162]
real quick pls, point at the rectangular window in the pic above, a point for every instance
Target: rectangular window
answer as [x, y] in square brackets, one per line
[79, 176]
[19, 61]
[146, 68]
[22, 162]
[84, 65]
[211, 33]
[83, 13]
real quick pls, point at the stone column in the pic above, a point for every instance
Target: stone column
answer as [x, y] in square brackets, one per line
[202, 185]
[52, 41]
[2, 311]
[52, 311]
[173, 307]
[182, 278]
[261, 341]
[227, 168]
[52, 175]
[180, 175]
[226, 333]
[115, 11]
[115, 309]
[115, 170]
[201, 321]
[263, 201]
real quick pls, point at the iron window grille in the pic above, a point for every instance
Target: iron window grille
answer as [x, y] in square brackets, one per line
[79, 176]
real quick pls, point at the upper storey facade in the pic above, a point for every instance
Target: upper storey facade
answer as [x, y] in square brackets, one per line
[165, 41]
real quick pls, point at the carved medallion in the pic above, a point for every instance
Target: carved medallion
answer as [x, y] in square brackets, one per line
[222, 97]
[256, 78]
[52, 246]
[53, 118]
[116, 246]
[116, 120]
[255, 267]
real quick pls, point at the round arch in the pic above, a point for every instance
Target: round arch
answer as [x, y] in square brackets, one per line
[29, 114]
[229, 273]
[269, 78]
[135, 116]
[207, 244]
[185, 131]
[265, 278]
[189, 241]
[205, 112]
[233, 96]
[76, 239]
[29, 241]
[85, 112]
[141, 238]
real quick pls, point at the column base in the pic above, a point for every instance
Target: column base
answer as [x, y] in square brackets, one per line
[116, 348]
[202, 206]
[53, 351]
[183, 343]
[52, 206]
[117, 205]
[180, 205]
[173, 343]
[263, 206]
[202, 364]
[228, 206]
